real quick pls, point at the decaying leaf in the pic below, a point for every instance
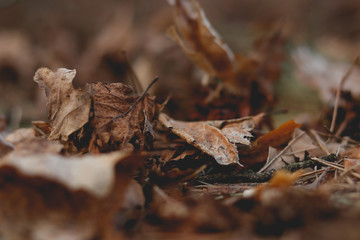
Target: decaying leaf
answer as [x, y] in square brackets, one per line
[68, 108]
[215, 138]
[118, 120]
[111, 102]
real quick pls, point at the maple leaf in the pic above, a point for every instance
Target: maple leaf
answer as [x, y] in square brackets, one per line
[68, 108]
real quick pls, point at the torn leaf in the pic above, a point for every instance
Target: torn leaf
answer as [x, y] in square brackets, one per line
[220, 144]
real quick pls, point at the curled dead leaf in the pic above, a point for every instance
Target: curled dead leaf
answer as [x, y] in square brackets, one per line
[215, 138]
[68, 108]
[119, 120]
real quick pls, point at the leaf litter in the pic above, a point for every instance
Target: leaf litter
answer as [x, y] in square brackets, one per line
[113, 163]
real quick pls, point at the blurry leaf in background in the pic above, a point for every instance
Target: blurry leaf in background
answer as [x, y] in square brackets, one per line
[324, 75]
[76, 198]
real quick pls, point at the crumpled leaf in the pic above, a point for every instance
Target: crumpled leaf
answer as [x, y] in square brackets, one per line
[110, 102]
[74, 198]
[68, 108]
[206, 135]
[118, 119]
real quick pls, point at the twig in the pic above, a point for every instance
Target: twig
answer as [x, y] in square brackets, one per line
[251, 176]
[280, 153]
[132, 75]
[316, 183]
[338, 92]
[329, 164]
[320, 142]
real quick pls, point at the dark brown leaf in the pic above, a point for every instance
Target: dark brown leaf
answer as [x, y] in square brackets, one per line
[112, 129]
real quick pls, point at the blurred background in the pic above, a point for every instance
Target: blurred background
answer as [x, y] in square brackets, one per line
[322, 40]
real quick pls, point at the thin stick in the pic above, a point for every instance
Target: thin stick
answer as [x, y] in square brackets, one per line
[132, 75]
[280, 153]
[338, 92]
[312, 172]
[320, 142]
[329, 164]
[338, 137]
[301, 150]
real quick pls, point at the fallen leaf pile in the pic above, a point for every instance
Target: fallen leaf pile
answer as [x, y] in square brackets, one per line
[105, 112]
[115, 161]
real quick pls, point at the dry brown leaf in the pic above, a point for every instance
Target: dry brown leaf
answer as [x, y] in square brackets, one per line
[200, 42]
[203, 45]
[113, 130]
[68, 108]
[73, 198]
[118, 119]
[218, 143]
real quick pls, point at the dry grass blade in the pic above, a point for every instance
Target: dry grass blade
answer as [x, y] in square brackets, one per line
[280, 153]
[338, 91]
[329, 164]
[320, 142]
